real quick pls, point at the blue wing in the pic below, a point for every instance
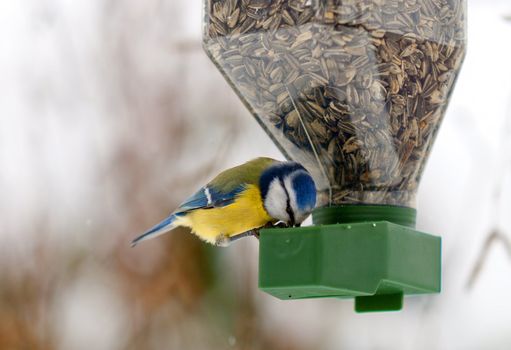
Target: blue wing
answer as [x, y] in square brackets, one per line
[206, 197]
[209, 197]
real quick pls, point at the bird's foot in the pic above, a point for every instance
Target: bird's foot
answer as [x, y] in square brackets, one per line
[223, 240]
[254, 232]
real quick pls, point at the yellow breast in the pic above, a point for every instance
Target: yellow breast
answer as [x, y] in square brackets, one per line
[245, 213]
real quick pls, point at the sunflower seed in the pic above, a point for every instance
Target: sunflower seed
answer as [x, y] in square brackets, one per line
[367, 81]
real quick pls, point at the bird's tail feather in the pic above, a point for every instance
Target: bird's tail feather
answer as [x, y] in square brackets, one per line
[157, 230]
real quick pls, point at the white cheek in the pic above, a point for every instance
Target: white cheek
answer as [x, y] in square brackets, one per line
[276, 201]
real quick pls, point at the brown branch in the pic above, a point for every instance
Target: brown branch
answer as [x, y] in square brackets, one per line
[493, 238]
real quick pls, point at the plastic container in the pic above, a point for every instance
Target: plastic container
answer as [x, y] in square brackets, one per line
[355, 90]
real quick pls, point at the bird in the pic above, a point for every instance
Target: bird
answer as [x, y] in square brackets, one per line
[262, 192]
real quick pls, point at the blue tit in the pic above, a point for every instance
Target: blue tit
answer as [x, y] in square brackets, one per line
[261, 192]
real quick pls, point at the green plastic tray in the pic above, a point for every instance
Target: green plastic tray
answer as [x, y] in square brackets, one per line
[376, 262]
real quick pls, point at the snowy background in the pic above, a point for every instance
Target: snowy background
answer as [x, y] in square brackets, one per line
[110, 114]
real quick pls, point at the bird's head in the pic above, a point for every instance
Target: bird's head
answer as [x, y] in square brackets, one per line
[288, 192]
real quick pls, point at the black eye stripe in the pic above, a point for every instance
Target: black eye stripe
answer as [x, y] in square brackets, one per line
[288, 204]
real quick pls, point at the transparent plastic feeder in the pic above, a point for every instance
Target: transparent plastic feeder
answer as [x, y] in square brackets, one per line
[355, 90]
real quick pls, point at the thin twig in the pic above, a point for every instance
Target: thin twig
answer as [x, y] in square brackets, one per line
[496, 235]
[493, 238]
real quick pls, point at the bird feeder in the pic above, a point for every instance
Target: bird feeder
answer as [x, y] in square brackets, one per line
[355, 90]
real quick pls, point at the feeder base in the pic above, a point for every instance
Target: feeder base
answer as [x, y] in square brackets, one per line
[375, 262]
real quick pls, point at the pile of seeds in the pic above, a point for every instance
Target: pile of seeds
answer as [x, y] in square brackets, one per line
[353, 89]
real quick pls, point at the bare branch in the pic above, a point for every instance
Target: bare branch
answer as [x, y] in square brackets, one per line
[495, 237]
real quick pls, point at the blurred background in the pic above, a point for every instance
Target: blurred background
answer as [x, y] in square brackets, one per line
[111, 114]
